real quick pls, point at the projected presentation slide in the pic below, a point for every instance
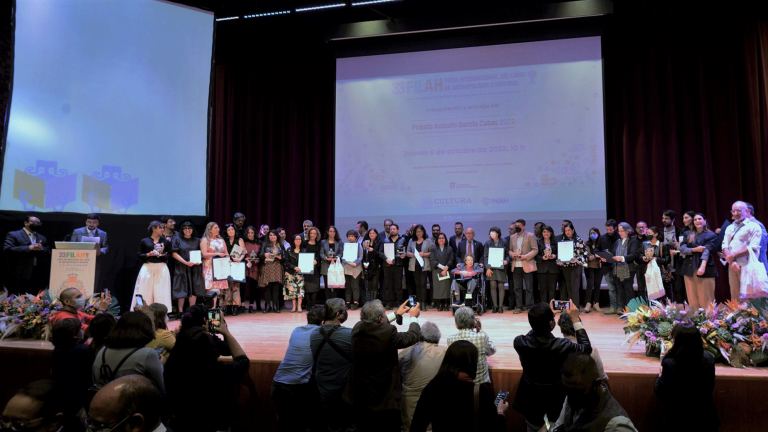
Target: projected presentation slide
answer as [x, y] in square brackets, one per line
[484, 135]
[109, 108]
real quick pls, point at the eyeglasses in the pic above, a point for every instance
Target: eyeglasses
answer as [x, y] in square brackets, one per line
[102, 427]
[19, 425]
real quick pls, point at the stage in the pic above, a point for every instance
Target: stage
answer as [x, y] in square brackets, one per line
[631, 374]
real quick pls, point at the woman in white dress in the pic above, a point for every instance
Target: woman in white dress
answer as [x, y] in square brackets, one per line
[154, 281]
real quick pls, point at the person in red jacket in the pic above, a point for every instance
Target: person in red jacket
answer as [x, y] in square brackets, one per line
[73, 303]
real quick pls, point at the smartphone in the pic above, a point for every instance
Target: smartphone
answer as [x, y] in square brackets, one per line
[562, 305]
[106, 293]
[411, 301]
[214, 320]
[501, 397]
[139, 300]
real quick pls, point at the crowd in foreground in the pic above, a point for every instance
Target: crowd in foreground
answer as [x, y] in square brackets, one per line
[134, 374]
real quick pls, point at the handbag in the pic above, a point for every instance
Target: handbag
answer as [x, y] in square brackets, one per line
[336, 275]
[754, 280]
[654, 282]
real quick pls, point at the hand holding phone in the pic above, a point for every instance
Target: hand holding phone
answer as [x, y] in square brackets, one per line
[561, 305]
[501, 397]
[411, 301]
[139, 301]
[214, 320]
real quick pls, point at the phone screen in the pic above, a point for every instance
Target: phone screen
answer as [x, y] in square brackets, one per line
[139, 300]
[412, 301]
[562, 305]
[214, 320]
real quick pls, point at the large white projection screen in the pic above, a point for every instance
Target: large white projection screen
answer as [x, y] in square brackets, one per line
[109, 108]
[483, 135]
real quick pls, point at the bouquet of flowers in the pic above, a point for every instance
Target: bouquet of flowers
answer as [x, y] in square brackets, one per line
[736, 333]
[651, 324]
[26, 316]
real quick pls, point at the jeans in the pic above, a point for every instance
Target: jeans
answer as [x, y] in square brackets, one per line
[523, 282]
[613, 296]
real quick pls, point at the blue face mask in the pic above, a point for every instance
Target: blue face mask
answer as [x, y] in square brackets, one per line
[593, 236]
[80, 303]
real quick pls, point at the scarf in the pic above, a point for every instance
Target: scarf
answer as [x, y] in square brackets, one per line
[622, 268]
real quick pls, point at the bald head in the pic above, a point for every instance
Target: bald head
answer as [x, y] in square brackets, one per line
[133, 398]
[68, 294]
[738, 210]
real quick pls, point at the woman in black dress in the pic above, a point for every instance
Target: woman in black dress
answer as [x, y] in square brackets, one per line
[271, 275]
[330, 251]
[442, 261]
[252, 291]
[312, 281]
[371, 263]
[188, 282]
[293, 289]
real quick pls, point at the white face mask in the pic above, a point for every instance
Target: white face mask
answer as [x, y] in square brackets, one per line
[80, 303]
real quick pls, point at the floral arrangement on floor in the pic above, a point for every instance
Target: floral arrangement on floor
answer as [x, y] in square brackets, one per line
[733, 333]
[26, 316]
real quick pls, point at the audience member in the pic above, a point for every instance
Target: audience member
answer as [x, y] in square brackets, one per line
[589, 405]
[72, 305]
[292, 379]
[36, 407]
[130, 403]
[418, 365]
[375, 377]
[71, 364]
[98, 330]
[453, 401]
[471, 329]
[686, 382]
[164, 339]
[542, 355]
[331, 346]
[566, 328]
[195, 378]
[24, 251]
[125, 352]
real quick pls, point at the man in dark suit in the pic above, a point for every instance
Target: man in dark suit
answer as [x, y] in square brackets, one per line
[91, 229]
[454, 241]
[24, 252]
[469, 245]
[375, 381]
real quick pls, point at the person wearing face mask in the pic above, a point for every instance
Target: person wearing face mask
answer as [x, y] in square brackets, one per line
[36, 407]
[498, 276]
[72, 305]
[25, 251]
[331, 346]
[71, 364]
[592, 272]
[522, 253]
[375, 378]
[589, 404]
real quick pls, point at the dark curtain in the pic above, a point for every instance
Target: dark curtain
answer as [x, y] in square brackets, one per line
[686, 111]
[271, 152]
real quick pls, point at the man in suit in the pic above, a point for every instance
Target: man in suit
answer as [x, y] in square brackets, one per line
[306, 225]
[522, 254]
[91, 229]
[24, 252]
[238, 221]
[375, 381]
[469, 246]
[454, 241]
[605, 243]
[362, 230]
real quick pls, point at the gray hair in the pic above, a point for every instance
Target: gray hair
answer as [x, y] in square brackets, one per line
[465, 318]
[371, 311]
[430, 333]
[626, 227]
[333, 307]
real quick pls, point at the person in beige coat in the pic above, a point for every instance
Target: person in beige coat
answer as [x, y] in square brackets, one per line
[522, 254]
[418, 365]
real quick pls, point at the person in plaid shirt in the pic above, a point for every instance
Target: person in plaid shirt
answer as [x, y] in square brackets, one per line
[470, 329]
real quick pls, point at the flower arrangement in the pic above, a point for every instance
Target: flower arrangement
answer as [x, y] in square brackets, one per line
[733, 333]
[26, 316]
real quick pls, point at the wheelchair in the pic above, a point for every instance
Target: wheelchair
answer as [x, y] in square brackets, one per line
[479, 288]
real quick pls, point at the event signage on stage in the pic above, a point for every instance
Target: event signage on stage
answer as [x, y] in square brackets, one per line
[73, 265]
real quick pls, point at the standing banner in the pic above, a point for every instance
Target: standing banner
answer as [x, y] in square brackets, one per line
[73, 265]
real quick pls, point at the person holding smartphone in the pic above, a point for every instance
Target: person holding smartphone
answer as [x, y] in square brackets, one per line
[194, 406]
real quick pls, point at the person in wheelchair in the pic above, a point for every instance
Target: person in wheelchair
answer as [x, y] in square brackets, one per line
[466, 280]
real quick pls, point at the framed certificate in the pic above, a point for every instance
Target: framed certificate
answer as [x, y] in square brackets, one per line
[565, 251]
[237, 272]
[350, 252]
[496, 257]
[221, 269]
[389, 250]
[195, 257]
[306, 263]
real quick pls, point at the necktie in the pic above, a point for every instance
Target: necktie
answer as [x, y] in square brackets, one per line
[469, 248]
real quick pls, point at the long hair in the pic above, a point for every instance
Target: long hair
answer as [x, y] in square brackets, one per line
[159, 312]
[423, 231]
[318, 237]
[208, 227]
[461, 356]
[687, 347]
[255, 235]
[336, 238]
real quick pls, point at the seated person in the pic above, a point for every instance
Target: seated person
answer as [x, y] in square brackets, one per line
[72, 305]
[466, 279]
[71, 364]
[36, 407]
[130, 403]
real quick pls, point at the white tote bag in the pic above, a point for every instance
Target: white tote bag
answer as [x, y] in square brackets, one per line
[754, 280]
[336, 275]
[653, 281]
